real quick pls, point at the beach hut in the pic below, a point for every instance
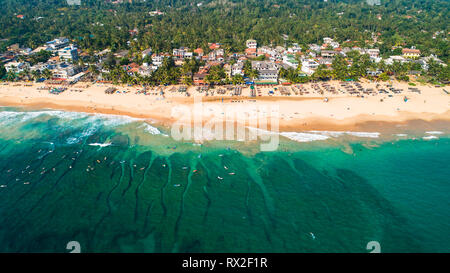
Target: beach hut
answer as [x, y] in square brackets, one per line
[110, 90]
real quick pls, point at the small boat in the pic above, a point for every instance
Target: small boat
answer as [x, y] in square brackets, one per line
[312, 235]
[220, 178]
[225, 167]
[3, 186]
[177, 185]
[184, 168]
[26, 183]
[231, 173]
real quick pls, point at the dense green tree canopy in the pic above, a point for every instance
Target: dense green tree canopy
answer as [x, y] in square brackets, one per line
[97, 24]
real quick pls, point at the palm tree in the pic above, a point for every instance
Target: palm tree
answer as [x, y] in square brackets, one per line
[253, 74]
[47, 73]
[186, 80]
[237, 79]
[2, 71]
[36, 74]
[93, 70]
[10, 76]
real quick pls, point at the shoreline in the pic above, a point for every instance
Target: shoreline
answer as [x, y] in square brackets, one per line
[341, 112]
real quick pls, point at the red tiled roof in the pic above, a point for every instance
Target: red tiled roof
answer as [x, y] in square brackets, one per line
[214, 46]
[409, 50]
[198, 50]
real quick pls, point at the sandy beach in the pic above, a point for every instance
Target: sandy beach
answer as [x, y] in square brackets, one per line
[307, 107]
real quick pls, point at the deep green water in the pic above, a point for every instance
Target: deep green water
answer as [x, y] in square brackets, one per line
[141, 193]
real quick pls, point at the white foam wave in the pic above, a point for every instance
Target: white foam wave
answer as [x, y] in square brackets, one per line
[429, 137]
[113, 120]
[150, 129]
[262, 131]
[7, 117]
[100, 144]
[316, 135]
[341, 133]
[434, 133]
[303, 137]
[364, 134]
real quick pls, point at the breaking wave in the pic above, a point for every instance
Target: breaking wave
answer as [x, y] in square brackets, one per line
[429, 137]
[303, 137]
[434, 133]
[83, 124]
[356, 134]
[150, 129]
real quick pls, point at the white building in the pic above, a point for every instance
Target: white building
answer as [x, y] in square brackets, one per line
[57, 43]
[314, 47]
[157, 59]
[147, 52]
[393, 59]
[251, 43]
[146, 70]
[327, 40]
[155, 13]
[373, 53]
[290, 60]
[68, 53]
[328, 53]
[182, 53]
[309, 66]
[216, 55]
[65, 71]
[237, 69]
[17, 67]
[274, 53]
[294, 49]
[268, 71]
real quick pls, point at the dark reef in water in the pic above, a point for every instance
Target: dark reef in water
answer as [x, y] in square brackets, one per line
[141, 194]
[117, 199]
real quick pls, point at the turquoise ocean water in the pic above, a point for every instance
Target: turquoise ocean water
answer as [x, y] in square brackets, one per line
[117, 184]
